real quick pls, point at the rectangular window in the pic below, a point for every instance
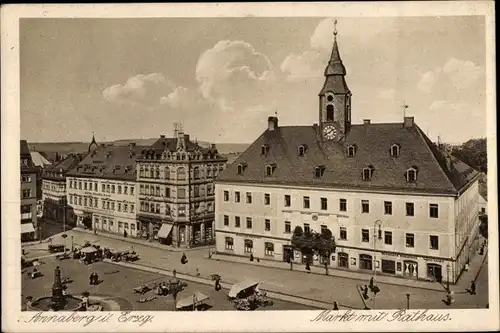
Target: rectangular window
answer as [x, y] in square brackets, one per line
[237, 222]
[365, 235]
[103, 188]
[306, 202]
[267, 199]
[112, 206]
[288, 200]
[433, 210]
[80, 201]
[119, 189]
[85, 186]
[307, 228]
[103, 204]
[343, 233]
[269, 249]
[181, 193]
[85, 201]
[324, 203]
[410, 209]
[167, 192]
[125, 190]
[410, 240]
[79, 185]
[267, 225]
[226, 195]
[388, 237]
[288, 227]
[249, 223]
[237, 197]
[141, 189]
[343, 205]
[26, 193]
[387, 207]
[132, 208]
[119, 207]
[249, 197]
[131, 190]
[229, 243]
[434, 242]
[226, 220]
[365, 206]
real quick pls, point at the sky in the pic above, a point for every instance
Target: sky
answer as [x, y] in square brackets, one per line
[222, 77]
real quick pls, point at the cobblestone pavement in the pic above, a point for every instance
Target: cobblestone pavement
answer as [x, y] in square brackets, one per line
[314, 286]
[118, 283]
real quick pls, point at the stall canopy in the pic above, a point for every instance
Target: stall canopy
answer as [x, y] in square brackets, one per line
[197, 297]
[88, 249]
[27, 227]
[244, 285]
[164, 230]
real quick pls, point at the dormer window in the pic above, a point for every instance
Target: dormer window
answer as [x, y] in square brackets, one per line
[351, 151]
[264, 150]
[411, 174]
[302, 150]
[395, 148]
[270, 169]
[368, 172]
[319, 171]
[241, 168]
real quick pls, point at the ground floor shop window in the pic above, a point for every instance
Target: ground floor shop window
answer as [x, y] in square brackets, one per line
[229, 243]
[365, 262]
[269, 249]
[248, 246]
[343, 260]
[389, 266]
[410, 269]
[287, 254]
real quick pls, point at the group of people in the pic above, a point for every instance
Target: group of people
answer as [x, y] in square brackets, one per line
[94, 279]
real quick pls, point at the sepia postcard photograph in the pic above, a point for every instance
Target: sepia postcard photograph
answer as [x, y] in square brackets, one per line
[249, 167]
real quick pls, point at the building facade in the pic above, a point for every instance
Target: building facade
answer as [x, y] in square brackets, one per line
[101, 189]
[29, 180]
[176, 191]
[54, 196]
[396, 203]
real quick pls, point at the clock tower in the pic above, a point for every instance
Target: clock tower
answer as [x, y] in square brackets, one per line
[334, 98]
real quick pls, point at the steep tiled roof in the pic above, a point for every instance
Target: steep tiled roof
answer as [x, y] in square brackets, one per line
[170, 144]
[110, 162]
[58, 170]
[372, 143]
[39, 160]
[25, 150]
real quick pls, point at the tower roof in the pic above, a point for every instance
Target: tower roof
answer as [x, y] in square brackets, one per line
[335, 71]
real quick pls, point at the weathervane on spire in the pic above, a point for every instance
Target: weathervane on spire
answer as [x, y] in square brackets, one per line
[335, 28]
[276, 113]
[404, 106]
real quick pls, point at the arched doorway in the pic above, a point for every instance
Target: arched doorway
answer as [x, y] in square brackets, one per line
[434, 272]
[410, 269]
[343, 260]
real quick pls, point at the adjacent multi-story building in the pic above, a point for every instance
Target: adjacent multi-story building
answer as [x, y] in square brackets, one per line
[54, 195]
[396, 203]
[101, 189]
[176, 192]
[29, 180]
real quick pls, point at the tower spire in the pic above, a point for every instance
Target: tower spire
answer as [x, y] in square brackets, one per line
[335, 65]
[93, 142]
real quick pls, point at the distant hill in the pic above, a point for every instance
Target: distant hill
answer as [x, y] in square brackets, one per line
[81, 147]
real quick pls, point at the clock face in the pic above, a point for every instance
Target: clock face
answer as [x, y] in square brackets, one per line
[330, 132]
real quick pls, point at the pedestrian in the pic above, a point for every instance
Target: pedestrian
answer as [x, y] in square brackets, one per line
[184, 259]
[467, 266]
[174, 272]
[197, 272]
[91, 278]
[335, 306]
[251, 256]
[96, 278]
[308, 268]
[258, 260]
[449, 298]
[371, 282]
[472, 288]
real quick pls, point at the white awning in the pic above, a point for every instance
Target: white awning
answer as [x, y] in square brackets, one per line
[239, 287]
[27, 227]
[165, 230]
[194, 299]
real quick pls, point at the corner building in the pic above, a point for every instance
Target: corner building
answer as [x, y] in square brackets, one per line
[101, 189]
[29, 189]
[176, 191]
[396, 203]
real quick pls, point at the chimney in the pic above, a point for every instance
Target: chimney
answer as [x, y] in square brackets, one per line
[186, 137]
[212, 146]
[272, 123]
[366, 121]
[162, 136]
[131, 145]
[408, 122]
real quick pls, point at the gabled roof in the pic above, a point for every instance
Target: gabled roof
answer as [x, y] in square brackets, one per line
[110, 162]
[58, 170]
[170, 144]
[373, 142]
[39, 160]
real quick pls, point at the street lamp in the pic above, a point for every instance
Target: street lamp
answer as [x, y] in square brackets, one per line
[376, 234]
[448, 277]
[408, 301]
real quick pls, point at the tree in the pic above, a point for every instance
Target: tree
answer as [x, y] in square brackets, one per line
[325, 245]
[296, 241]
[309, 242]
[473, 153]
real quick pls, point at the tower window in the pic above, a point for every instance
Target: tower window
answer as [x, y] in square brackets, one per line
[395, 150]
[351, 151]
[329, 112]
[411, 175]
[302, 150]
[368, 173]
[329, 98]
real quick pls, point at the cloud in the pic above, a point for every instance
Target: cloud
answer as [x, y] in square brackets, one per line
[234, 74]
[140, 89]
[309, 64]
[387, 94]
[460, 74]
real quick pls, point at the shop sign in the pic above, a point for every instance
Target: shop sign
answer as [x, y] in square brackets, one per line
[94, 194]
[434, 260]
[390, 254]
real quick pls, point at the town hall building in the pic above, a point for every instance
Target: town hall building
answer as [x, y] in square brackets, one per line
[396, 203]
